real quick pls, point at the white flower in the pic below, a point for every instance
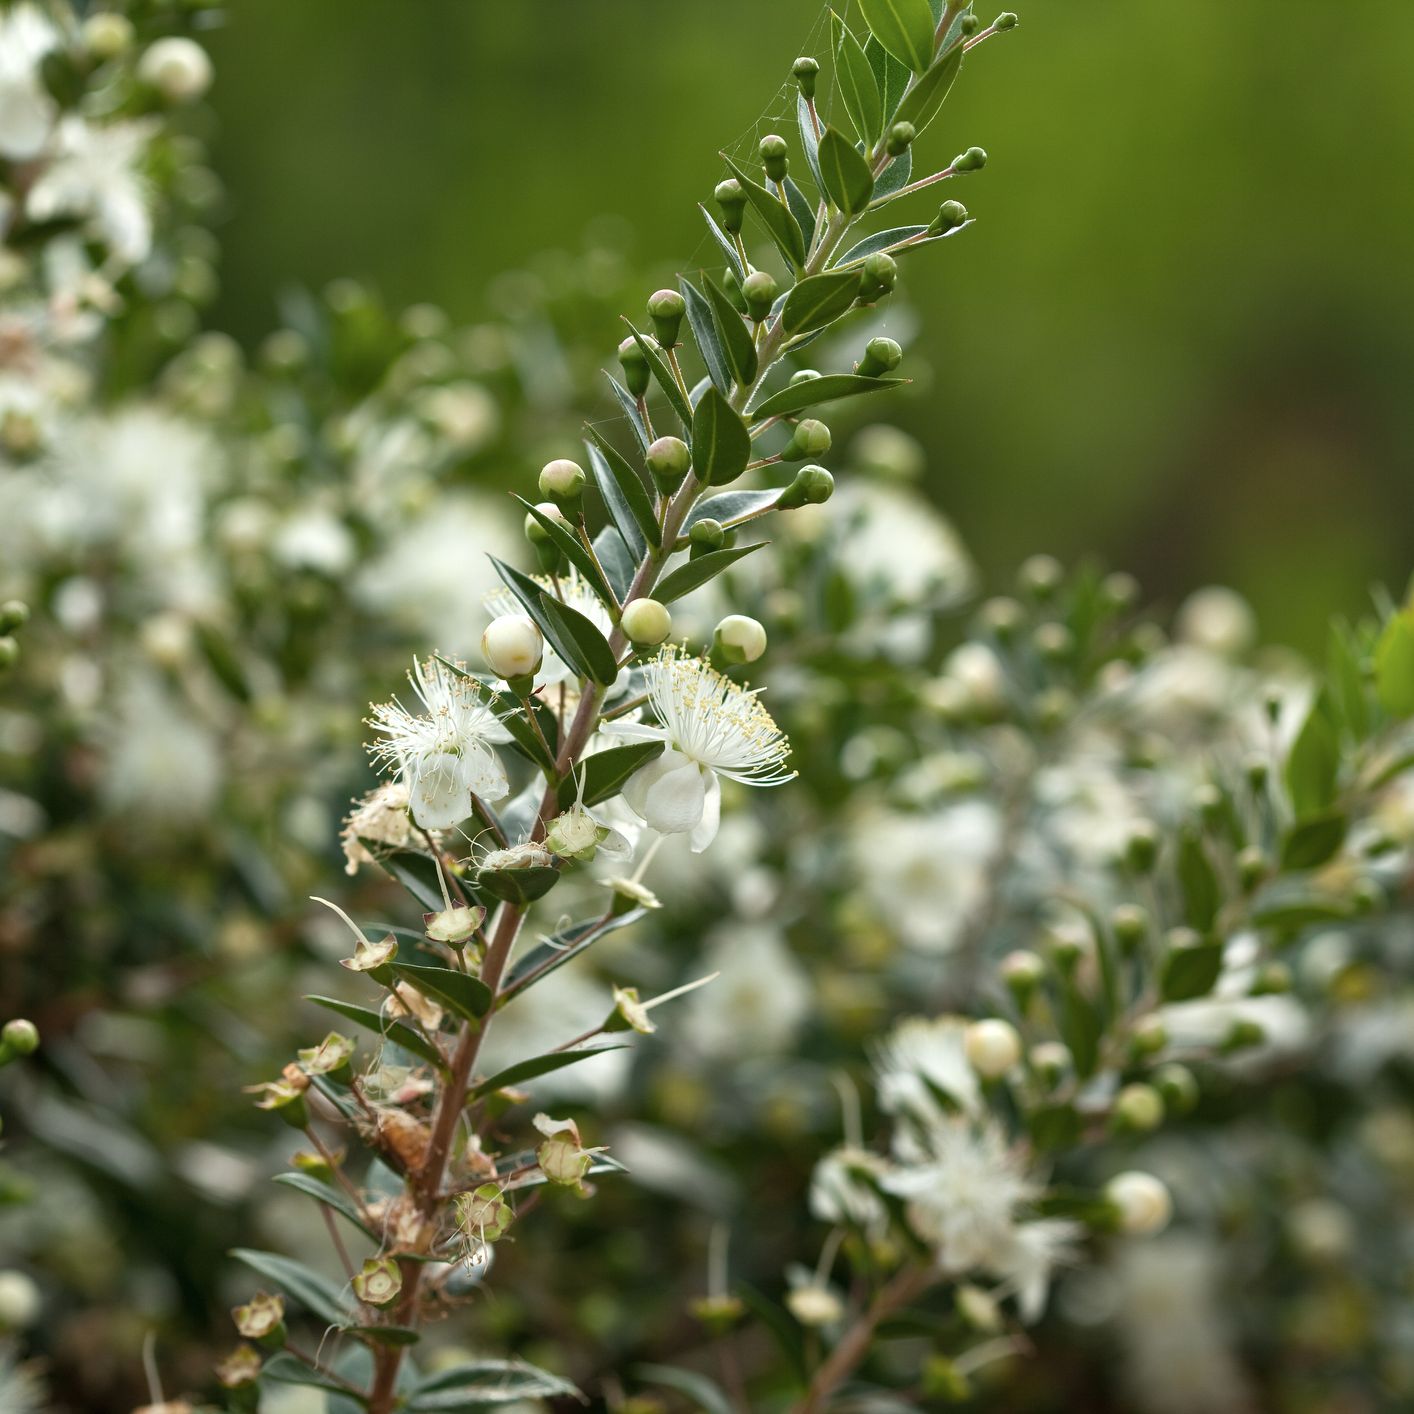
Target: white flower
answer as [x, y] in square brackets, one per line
[1219, 620]
[712, 728]
[160, 763]
[841, 1190]
[1027, 1262]
[441, 756]
[758, 1003]
[313, 539]
[963, 1186]
[94, 176]
[177, 67]
[920, 1058]
[26, 109]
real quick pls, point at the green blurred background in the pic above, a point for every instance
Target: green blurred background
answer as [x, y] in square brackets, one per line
[1181, 333]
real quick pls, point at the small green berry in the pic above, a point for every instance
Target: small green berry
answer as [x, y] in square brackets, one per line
[880, 274]
[759, 290]
[669, 459]
[707, 534]
[813, 486]
[951, 215]
[973, 160]
[775, 157]
[666, 309]
[811, 438]
[881, 355]
[805, 71]
[634, 363]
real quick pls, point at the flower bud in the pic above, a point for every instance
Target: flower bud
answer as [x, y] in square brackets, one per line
[774, 158]
[969, 24]
[739, 639]
[1142, 848]
[1121, 590]
[669, 459]
[1002, 618]
[759, 290]
[1138, 1109]
[1054, 642]
[1050, 1060]
[562, 1157]
[19, 1037]
[811, 438]
[14, 613]
[1141, 1202]
[707, 534]
[106, 35]
[813, 486]
[262, 1319]
[731, 200]
[805, 71]
[562, 481]
[1251, 867]
[1177, 1086]
[880, 275]
[977, 1307]
[513, 647]
[646, 622]
[666, 309]
[992, 1046]
[1242, 1035]
[379, 1283]
[1022, 971]
[178, 68]
[815, 1305]
[1148, 1035]
[634, 363]
[9, 651]
[1006, 20]
[973, 160]
[881, 355]
[899, 139]
[951, 215]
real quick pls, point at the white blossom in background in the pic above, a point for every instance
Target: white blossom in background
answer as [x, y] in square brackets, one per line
[443, 753]
[1027, 1262]
[159, 762]
[844, 1189]
[314, 538]
[920, 1056]
[711, 728]
[758, 1003]
[27, 111]
[927, 875]
[1218, 620]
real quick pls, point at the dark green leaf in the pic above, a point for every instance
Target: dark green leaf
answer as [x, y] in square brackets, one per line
[385, 1335]
[574, 550]
[724, 241]
[1080, 1028]
[1199, 881]
[483, 1384]
[890, 74]
[317, 1294]
[539, 1065]
[1347, 682]
[629, 510]
[284, 1369]
[849, 182]
[880, 240]
[593, 656]
[904, 27]
[1191, 971]
[703, 1392]
[1290, 904]
[730, 506]
[1313, 841]
[601, 776]
[397, 1032]
[663, 375]
[518, 886]
[857, 85]
[629, 404]
[810, 392]
[921, 103]
[221, 658]
[613, 555]
[1054, 1126]
[819, 300]
[801, 208]
[468, 996]
[688, 577]
[1314, 762]
[1394, 665]
[569, 942]
[325, 1193]
[736, 341]
[721, 445]
[699, 318]
[417, 873]
[809, 139]
[894, 177]
[780, 225]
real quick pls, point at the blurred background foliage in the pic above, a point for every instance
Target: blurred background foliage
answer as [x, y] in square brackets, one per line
[1180, 334]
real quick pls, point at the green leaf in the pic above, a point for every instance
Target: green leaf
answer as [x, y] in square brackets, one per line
[325, 1193]
[801, 208]
[574, 550]
[1347, 682]
[629, 404]
[624, 495]
[1198, 880]
[688, 577]
[704, 331]
[857, 85]
[316, 1293]
[483, 1384]
[894, 177]
[399, 1033]
[780, 225]
[1394, 665]
[1312, 767]
[921, 103]
[1313, 841]
[614, 556]
[518, 886]
[1055, 1126]
[810, 392]
[725, 242]
[417, 873]
[721, 445]
[1080, 1028]
[730, 506]
[593, 655]
[601, 776]
[468, 996]
[1191, 972]
[703, 1392]
[880, 240]
[848, 179]
[385, 1335]
[737, 344]
[890, 74]
[1291, 904]
[663, 375]
[556, 951]
[538, 1065]
[819, 300]
[809, 141]
[904, 27]
[284, 1369]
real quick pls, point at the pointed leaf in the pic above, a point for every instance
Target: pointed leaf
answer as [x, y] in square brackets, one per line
[317, 1294]
[1198, 880]
[417, 873]
[810, 392]
[613, 555]
[283, 1368]
[1313, 841]
[518, 886]
[1313, 764]
[694, 573]
[624, 495]
[857, 85]
[540, 1065]
[483, 1384]
[721, 445]
[601, 776]
[731, 506]
[629, 404]
[819, 300]
[397, 1032]
[904, 27]
[848, 179]
[802, 209]
[593, 653]
[704, 332]
[896, 175]
[325, 1193]
[736, 341]
[780, 225]
[703, 1392]
[892, 76]
[724, 243]
[1191, 972]
[809, 139]
[1394, 665]
[554, 952]
[574, 550]
[663, 375]
[460, 992]
[880, 240]
[921, 103]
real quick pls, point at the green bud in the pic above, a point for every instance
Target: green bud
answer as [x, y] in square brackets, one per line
[562, 481]
[1041, 576]
[1242, 1035]
[803, 375]
[1002, 618]
[106, 35]
[1130, 925]
[646, 622]
[805, 71]
[9, 651]
[811, 438]
[1149, 1035]
[707, 534]
[738, 639]
[1257, 771]
[880, 275]
[666, 309]
[951, 214]
[899, 138]
[942, 1380]
[973, 160]
[635, 366]
[18, 1038]
[1177, 1086]
[14, 613]
[1054, 642]
[534, 531]
[1138, 1109]
[1142, 847]
[813, 486]
[1006, 20]
[1273, 979]
[881, 355]
[1022, 971]
[759, 290]
[969, 24]
[1050, 1060]
[1251, 867]
[774, 157]
[669, 459]
[731, 199]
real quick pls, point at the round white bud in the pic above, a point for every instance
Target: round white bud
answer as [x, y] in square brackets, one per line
[814, 1305]
[646, 621]
[106, 35]
[1218, 619]
[1142, 1201]
[20, 1301]
[534, 531]
[992, 1047]
[561, 477]
[741, 639]
[512, 646]
[177, 68]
